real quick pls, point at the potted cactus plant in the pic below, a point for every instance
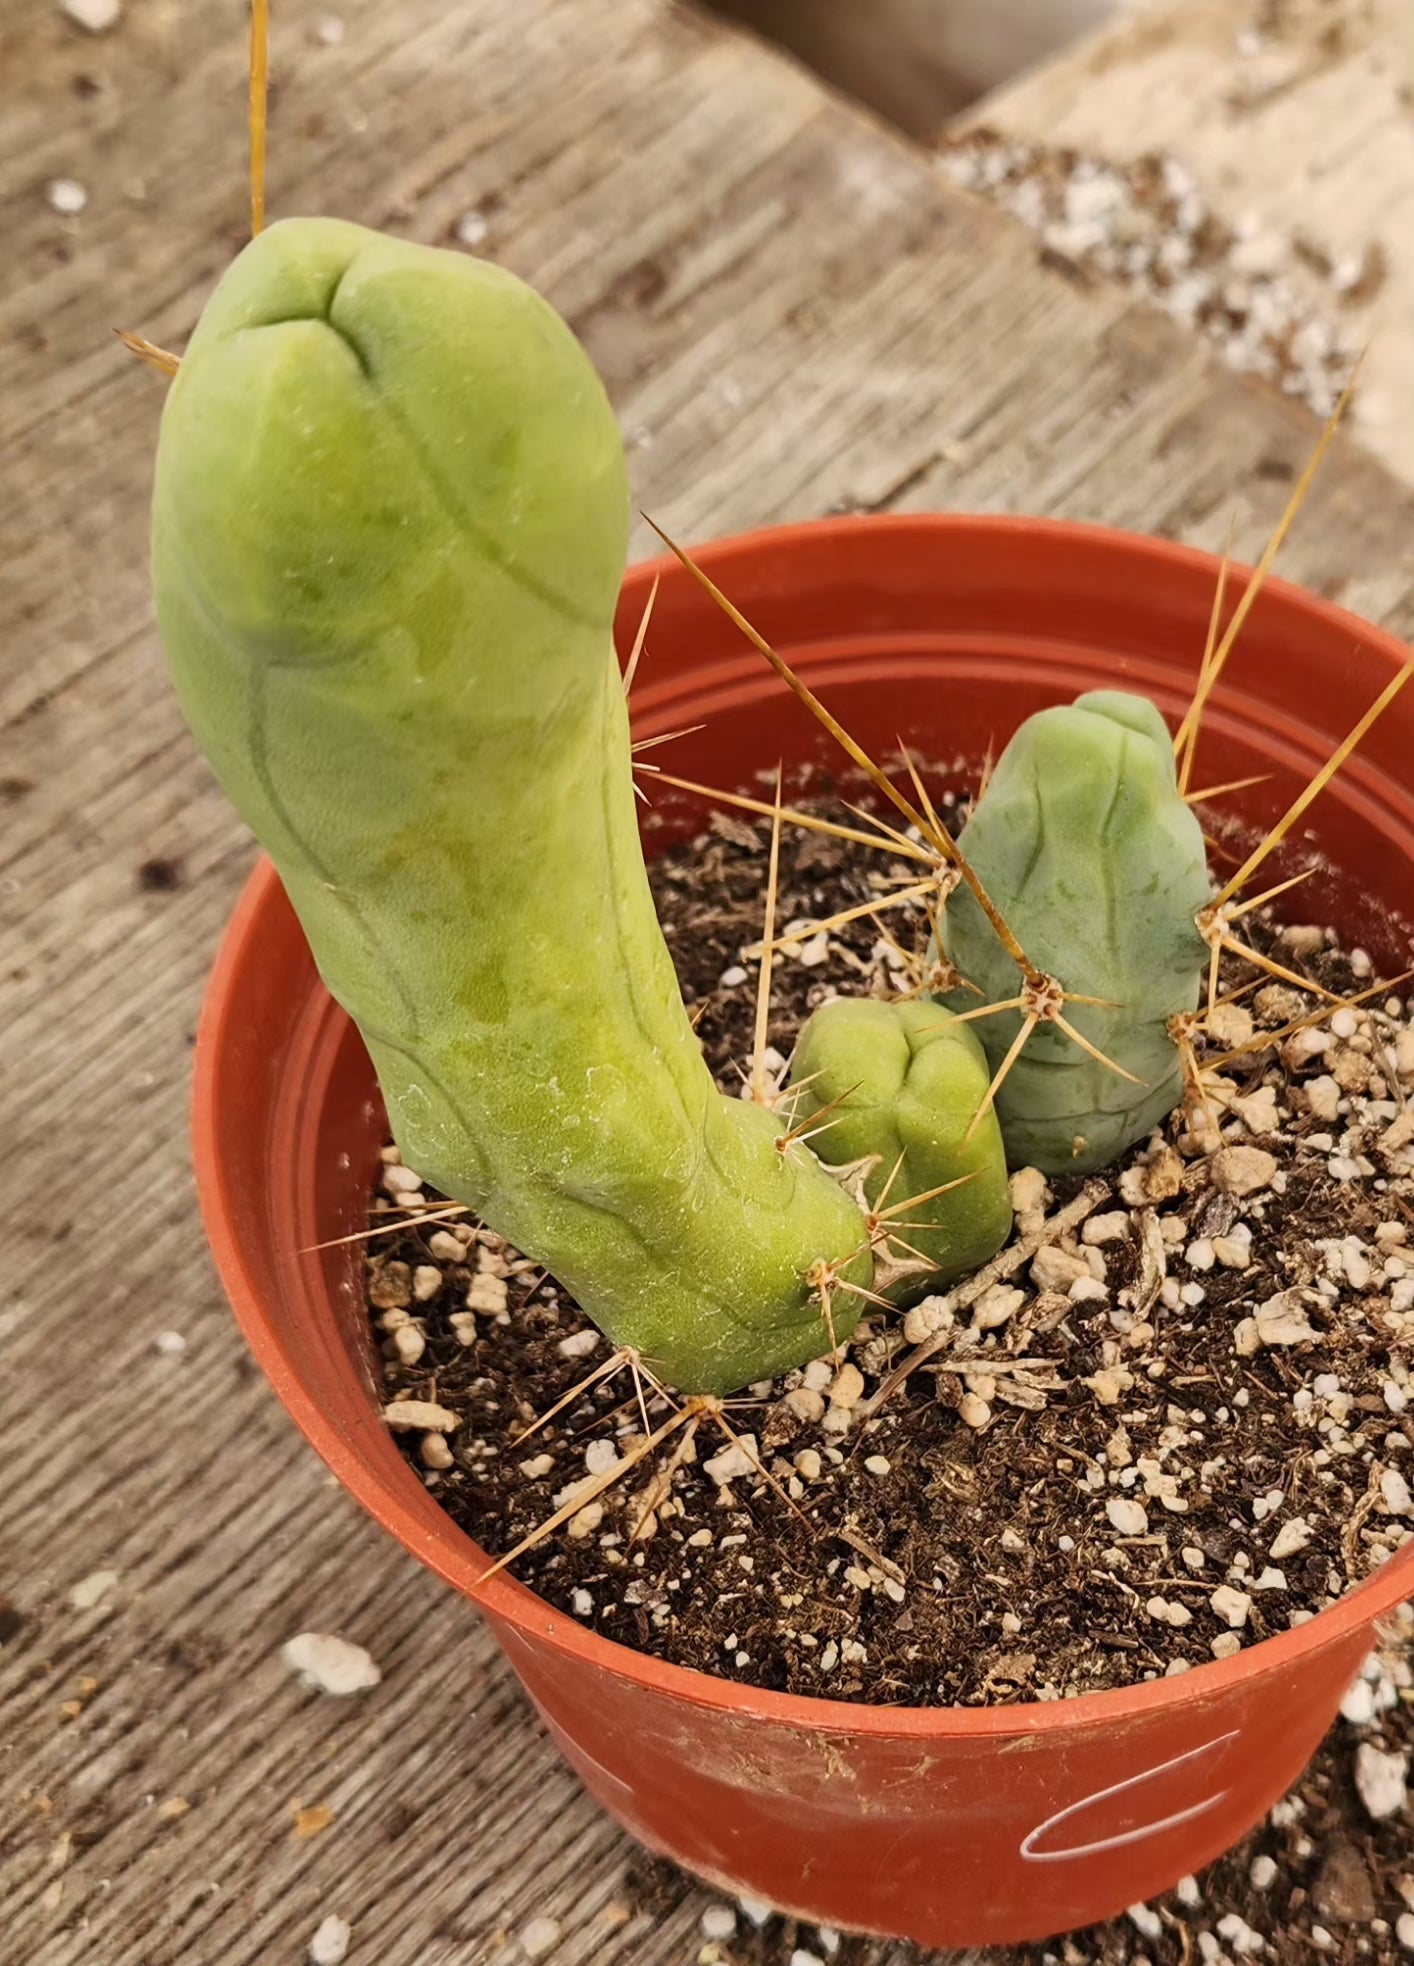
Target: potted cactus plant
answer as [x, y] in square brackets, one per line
[389, 533]
[497, 946]
[480, 906]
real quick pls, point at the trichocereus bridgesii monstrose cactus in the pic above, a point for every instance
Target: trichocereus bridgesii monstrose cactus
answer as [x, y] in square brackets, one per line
[907, 1083]
[390, 526]
[1087, 849]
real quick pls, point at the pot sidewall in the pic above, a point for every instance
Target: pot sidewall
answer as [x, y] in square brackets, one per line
[951, 1827]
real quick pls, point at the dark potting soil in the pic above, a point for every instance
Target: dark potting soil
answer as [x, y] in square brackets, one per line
[1170, 1420]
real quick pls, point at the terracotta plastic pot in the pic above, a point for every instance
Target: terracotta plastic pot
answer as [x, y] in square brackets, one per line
[952, 1827]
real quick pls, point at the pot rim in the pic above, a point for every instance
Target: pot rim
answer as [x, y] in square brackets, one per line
[460, 1561]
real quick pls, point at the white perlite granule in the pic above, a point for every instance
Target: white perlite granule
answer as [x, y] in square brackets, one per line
[330, 1943]
[539, 1937]
[330, 1664]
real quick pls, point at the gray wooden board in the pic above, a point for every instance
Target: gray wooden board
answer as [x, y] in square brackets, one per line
[794, 316]
[1298, 129]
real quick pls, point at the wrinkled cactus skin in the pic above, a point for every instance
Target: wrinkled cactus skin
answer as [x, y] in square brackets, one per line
[1083, 841]
[915, 1078]
[390, 526]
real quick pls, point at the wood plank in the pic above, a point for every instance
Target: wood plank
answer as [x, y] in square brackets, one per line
[1294, 121]
[794, 316]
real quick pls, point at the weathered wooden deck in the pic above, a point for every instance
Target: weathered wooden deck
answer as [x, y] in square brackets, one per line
[794, 315]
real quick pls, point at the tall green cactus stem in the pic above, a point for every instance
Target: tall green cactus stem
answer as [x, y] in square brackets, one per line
[1083, 841]
[909, 1079]
[390, 527]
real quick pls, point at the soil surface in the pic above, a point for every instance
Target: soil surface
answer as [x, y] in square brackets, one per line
[1169, 1420]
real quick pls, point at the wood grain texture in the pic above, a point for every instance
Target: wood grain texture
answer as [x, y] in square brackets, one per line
[1295, 120]
[794, 316]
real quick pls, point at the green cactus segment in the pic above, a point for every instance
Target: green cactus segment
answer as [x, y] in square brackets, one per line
[390, 526]
[914, 1078]
[1083, 841]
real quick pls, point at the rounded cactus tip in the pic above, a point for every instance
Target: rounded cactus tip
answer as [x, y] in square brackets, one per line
[906, 1085]
[1085, 845]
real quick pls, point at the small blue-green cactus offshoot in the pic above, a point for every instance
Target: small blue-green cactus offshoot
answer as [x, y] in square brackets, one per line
[390, 524]
[1084, 843]
[909, 1079]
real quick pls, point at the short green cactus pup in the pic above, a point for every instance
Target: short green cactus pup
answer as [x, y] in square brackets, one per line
[909, 1080]
[1083, 841]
